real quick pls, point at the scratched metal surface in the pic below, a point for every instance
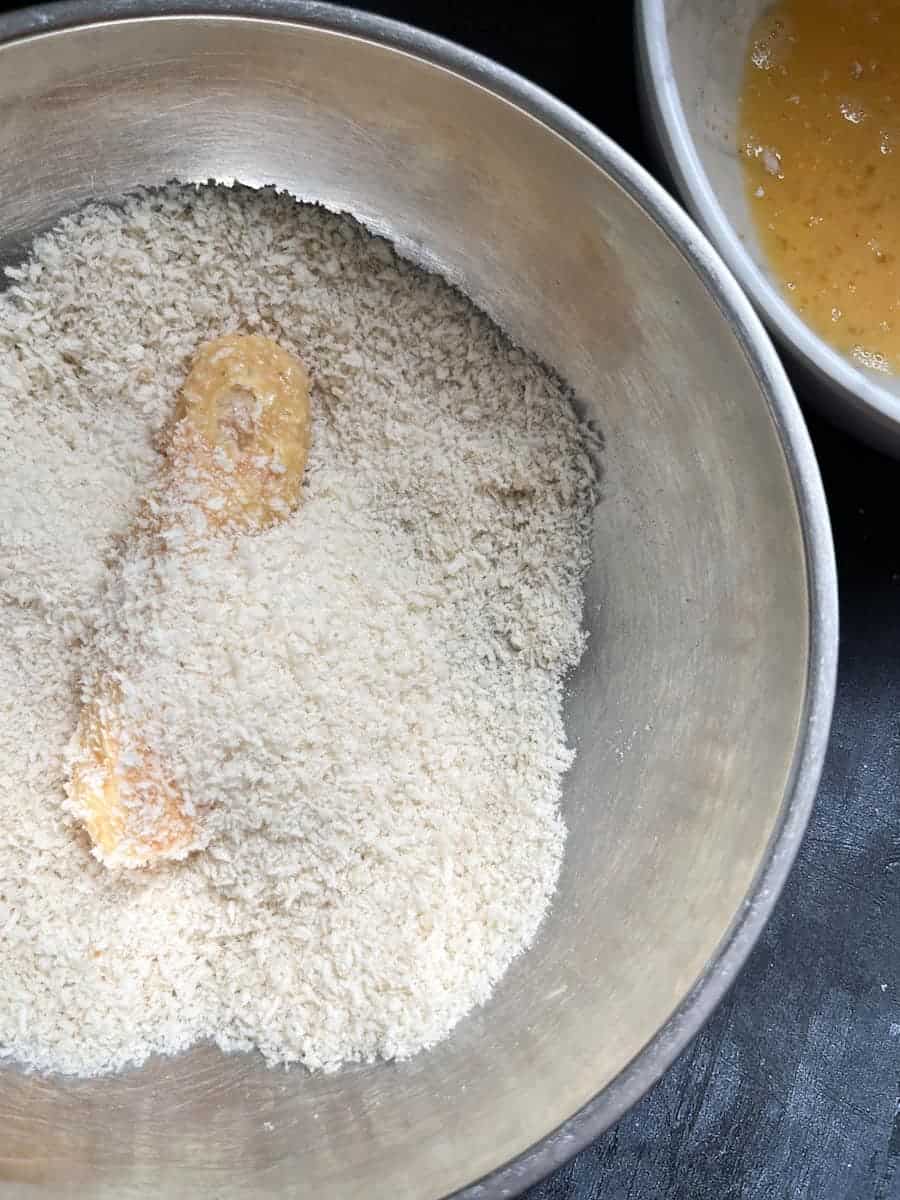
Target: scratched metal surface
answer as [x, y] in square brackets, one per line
[793, 1090]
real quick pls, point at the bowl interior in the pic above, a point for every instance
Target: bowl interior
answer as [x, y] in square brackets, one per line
[718, 34]
[689, 707]
[695, 114]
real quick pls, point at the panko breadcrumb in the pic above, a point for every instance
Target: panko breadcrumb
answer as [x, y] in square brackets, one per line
[367, 696]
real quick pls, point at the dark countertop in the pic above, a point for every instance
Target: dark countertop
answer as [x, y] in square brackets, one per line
[791, 1092]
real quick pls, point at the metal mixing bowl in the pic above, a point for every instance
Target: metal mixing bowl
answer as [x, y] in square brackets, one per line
[701, 708]
[691, 54]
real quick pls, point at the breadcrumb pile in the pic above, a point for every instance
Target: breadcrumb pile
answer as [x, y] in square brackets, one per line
[364, 701]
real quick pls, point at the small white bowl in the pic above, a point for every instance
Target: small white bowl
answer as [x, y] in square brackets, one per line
[691, 55]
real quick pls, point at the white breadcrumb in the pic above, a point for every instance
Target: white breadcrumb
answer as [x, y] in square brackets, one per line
[364, 702]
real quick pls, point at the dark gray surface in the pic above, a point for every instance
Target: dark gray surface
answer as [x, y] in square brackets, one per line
[792, 1089]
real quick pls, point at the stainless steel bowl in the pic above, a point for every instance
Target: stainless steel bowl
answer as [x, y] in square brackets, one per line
[691, 54]
[702, 707]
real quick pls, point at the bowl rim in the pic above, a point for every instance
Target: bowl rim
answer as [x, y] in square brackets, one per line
[867, 405]
[682, 1025]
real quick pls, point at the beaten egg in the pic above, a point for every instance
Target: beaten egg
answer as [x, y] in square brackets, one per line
[820, 140]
